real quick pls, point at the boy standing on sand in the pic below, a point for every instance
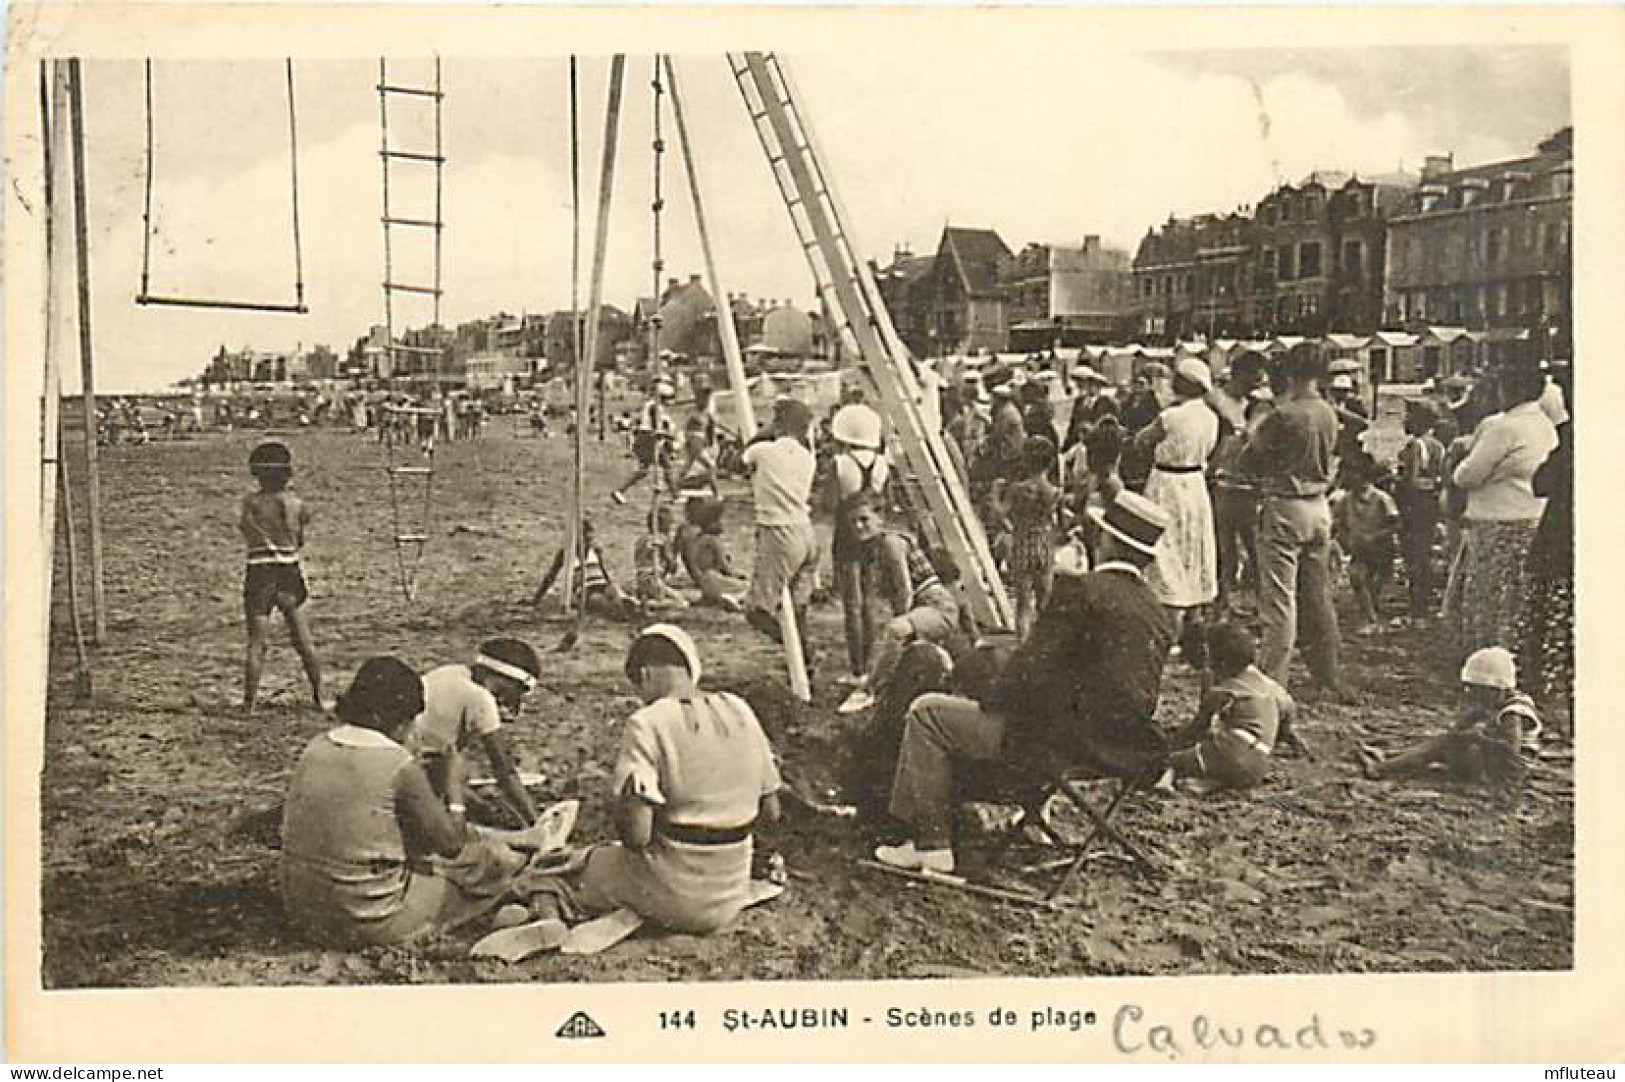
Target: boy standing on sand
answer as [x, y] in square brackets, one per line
[273, 524]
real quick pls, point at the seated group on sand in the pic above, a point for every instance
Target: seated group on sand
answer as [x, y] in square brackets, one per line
[378, 847]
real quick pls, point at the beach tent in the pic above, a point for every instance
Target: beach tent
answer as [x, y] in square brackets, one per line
[1447, 351]
[1394, 357]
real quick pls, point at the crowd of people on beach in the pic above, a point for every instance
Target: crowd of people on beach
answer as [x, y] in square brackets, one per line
[1183, 518]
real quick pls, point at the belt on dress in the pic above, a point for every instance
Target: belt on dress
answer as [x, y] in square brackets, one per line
[1176, 469]
[696, 835]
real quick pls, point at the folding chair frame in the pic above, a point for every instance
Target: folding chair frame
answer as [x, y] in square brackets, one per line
[1101, 822]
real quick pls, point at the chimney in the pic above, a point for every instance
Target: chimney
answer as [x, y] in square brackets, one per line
[1437, 165]
[693, 279]
[671, 283]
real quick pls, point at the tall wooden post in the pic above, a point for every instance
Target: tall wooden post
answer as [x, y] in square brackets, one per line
[794, 657]
[87, 364]
[595, 299]
[58, 315]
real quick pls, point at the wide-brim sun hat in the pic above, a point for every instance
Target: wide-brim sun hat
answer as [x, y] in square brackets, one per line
[678, 638]
[1134, 520]
[1195, 370]
[1491, 667]
[857, 425]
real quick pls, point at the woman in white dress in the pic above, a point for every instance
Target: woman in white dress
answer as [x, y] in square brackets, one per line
[1185, 576]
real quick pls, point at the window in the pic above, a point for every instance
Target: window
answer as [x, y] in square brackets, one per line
[1267, 263]
[1285, 264]
[1309, 259]
[1190, 284]
[1548, 239]
[1492, 245]
[1353, 256]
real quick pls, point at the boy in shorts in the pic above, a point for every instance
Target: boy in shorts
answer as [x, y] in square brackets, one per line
[273, 522]
[652, 436]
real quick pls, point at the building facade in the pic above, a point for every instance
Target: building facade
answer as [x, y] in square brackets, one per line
[1488, 247]
[901, 285]
[950, 302]
[1060, 295]
[1307, 259]
[1191, 276]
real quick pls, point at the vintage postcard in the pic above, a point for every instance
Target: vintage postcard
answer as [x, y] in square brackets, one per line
[729, 533]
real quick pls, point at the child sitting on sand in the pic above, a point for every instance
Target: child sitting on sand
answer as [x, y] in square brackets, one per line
[704, 554]
[694, 776]
[273, 524]
[604, 597]
[653, 559]
[1495, 740]
[1240, 719]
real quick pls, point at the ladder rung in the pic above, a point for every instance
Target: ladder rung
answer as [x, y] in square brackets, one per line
[411, 538]
[427, 290]
[413, 156]
[414, 91]
[425, 223]
[412, 469]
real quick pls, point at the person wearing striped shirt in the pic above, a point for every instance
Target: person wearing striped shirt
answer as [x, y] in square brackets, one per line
[273, 523]
[899, 577]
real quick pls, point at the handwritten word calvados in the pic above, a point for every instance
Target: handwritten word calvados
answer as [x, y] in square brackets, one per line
[1133, 1035]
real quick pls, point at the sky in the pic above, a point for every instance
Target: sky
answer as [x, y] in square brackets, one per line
[1051, 149]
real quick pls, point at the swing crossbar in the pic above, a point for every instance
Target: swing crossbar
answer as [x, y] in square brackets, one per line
[412, 156]
[412, 91]
[154, 300]
[398, 287]
[422, 223]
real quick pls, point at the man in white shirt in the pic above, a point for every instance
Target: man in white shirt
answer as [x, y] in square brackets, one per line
[782, 469]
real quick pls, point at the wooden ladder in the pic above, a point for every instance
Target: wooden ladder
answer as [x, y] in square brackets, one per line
[847, 287]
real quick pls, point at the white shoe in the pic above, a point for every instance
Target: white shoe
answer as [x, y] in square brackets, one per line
[916, 860]
[856, 703]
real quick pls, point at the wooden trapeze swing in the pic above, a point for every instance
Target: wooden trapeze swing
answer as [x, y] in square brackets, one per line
[147, 298]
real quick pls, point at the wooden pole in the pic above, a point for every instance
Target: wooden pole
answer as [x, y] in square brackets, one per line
[87, 363]
[794, 657]
[85, 686]
[595, 291]
[573, 547]
[54, 108]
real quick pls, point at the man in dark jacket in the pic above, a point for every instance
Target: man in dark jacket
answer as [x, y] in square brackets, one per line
[1081, 690]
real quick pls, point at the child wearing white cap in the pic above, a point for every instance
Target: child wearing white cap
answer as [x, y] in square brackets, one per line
[1495, 739]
